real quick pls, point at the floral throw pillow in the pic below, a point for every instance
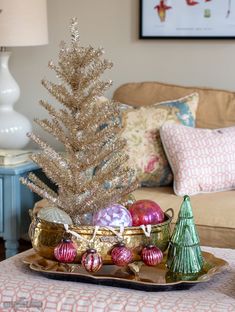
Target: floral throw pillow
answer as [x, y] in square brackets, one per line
[144, 147]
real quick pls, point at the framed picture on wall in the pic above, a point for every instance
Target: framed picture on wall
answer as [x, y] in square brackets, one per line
[187, 19]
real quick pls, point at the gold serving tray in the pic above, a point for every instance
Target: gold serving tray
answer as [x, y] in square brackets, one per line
[136, 275]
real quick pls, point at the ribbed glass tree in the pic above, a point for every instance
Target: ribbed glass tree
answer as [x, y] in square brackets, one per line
[184, 254]
[93, 172]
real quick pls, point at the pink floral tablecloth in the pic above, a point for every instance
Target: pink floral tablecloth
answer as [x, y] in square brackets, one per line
[24, 290]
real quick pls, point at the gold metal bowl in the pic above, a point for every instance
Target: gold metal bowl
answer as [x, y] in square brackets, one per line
[45, 236]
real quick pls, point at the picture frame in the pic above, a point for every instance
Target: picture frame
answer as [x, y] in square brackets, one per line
[186, 19]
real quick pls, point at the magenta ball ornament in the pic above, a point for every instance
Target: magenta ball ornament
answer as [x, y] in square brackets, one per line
[121, 255]
[92, 261]
[65, 252]
[113, 215]
[151, 255]
[146, 212]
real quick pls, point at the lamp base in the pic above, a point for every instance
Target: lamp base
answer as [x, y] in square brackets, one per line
[13, 126]
[13, 130]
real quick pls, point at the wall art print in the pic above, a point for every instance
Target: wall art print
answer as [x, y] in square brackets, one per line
[198, 19]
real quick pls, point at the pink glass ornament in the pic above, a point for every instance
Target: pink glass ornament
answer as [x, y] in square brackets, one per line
[146, 212]
[65, 252]
[91, 261]
[121, 255]
[113, 215]
[151, 255]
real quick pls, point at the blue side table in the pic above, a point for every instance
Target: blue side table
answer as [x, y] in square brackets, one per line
[15, 201]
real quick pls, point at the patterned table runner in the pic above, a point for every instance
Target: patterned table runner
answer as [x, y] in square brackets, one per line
[24, 290]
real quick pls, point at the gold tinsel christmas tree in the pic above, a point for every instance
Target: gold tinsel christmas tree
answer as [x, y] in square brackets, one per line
[92, 173]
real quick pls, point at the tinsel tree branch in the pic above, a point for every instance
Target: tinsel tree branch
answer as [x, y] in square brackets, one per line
[61, 115]
[42, 192]
[92, 173]
[43, 186]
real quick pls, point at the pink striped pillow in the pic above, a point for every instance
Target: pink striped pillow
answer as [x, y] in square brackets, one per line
[202, 160]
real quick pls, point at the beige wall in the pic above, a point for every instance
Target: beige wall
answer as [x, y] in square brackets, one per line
[113, 24]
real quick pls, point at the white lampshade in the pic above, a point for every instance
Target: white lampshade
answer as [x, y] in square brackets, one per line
[23, 23]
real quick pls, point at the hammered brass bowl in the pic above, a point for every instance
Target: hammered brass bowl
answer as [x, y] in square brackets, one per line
[45, 236]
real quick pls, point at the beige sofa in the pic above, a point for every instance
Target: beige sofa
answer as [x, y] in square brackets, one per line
[215, 212]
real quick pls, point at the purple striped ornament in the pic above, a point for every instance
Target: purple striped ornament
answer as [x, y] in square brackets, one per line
[91, 261]
[65, 252]
[151, 255]
[121, 255]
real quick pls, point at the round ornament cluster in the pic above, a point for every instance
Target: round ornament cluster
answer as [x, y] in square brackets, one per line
[141, 212]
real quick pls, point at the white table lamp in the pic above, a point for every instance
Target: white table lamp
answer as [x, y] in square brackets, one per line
[22, 23]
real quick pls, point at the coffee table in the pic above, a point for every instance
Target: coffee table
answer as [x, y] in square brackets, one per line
[30, 291]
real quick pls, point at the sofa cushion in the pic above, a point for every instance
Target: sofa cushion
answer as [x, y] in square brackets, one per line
[216, 108]
[141, 130]
[202, 160]
[208, 209]
[214, 213]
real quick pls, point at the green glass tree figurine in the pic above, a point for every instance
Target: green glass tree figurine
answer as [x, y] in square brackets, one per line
[184, 255]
